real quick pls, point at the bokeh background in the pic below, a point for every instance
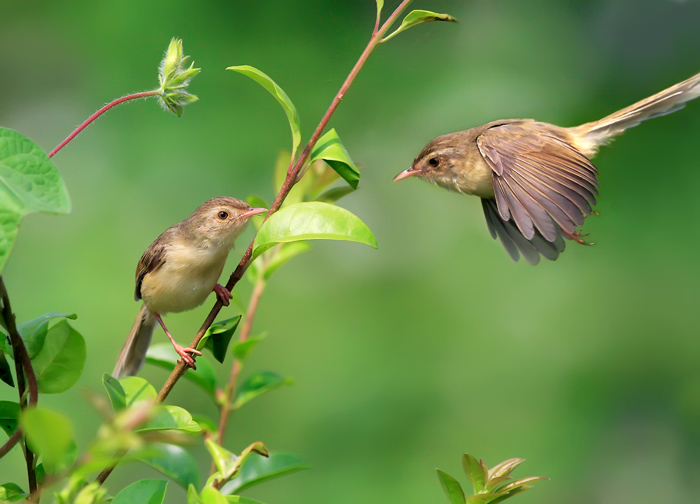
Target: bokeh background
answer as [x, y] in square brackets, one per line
[437, 343]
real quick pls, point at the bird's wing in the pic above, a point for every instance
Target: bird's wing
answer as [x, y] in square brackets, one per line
[541, 182]
[151, 260]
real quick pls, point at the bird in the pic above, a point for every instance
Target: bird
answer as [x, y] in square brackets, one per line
[536, 181]
[178, 271]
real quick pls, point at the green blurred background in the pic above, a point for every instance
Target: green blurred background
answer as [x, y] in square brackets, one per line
[437, 343]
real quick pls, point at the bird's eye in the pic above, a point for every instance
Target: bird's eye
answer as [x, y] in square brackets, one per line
[434, 162]
[222, 215]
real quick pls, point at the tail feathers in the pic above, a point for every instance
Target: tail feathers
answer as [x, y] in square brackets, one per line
[594, 134]
[133, 353]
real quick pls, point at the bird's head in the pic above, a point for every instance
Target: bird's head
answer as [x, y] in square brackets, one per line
[438, 162]
[220, 220]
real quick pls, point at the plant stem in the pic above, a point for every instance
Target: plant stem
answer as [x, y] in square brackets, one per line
[23, 365]
[89, 120]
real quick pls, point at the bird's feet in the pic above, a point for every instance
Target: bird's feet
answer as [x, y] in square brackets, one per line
[577, 237]
[223, 294]
[185, 354]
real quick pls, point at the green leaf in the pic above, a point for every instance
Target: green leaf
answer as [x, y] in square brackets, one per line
[59, 363]
[34, 331]
[417, 17]
[164, 355]
[227, 463]
[279, 95]
[170, 418]
[242, 349]
[29, 182]
[218, 336]
[49, 433]
[9, 413]
[380, 6]
[476, 472]
[501, 497]
[145, 491]
[259, 470]
[5, 371]
[334, 194]
[256, 201]
[486, 498]
[9, 492]
[279, 173]
[206, 424]
[211, 495]
[519, 483]
[452, 488]
[311, 221]
[175, 463]
[505, 467]
[330, 149]
[237, 499]
[257, 385]
[137, 389]
[115, 391]
[286, 252]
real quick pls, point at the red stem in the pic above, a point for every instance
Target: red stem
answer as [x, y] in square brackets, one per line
[89, 120]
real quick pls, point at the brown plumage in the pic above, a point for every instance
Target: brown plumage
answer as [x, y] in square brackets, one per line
[535, 179]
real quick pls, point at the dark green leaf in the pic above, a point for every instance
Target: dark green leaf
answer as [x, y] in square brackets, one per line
[279, 95]
[49, 433]
[137, 389]
[242, 349]
[452, 488]
[169, 417]
[259, 469]
[145, 491]
[9, 413]
[312, 221]
[175, 463]
[34, 331]
[60, 361]
[475, 472]
[164, 355]
[485, 498]
[29, 182]
[115, 391]
[330, 149]
[9, 492]
[417, 17]
[5, 371]
[218, 336]
[258, 384]
[286, 252]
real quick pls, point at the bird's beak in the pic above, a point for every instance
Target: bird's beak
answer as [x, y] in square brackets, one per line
[253, 211]
[410, 172]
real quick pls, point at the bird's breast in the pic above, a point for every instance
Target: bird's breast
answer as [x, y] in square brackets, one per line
[185, 280]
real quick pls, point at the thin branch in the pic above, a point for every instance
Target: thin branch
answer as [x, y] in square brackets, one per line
[4, 449]
[23, 365]
[89, 120]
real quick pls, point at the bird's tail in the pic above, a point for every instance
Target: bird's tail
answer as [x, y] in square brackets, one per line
[592, 135]
[133, 353]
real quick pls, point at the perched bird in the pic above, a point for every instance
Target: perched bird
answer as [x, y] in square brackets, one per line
[179, 270]
[535, 180]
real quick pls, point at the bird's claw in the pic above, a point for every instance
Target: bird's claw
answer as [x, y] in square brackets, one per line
[577, 237]
[185, 354]
[223, 294]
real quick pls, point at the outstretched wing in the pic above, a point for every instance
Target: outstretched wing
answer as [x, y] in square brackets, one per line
[541, 182]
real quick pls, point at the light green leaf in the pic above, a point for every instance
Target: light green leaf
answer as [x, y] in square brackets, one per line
[192, 495]
[312, 221]
[211, 495]
[29, 182]
[9, 413]
[206, 424]
[145, 491]
[417, 17]
[115, 391]
[218, 336]
[49, 433]
[500, 497]
[170, 417]
[237, 499]
[228, 463]
[137, 389]
[334, 194]
[279, 95]
[452, 488]
[59, 363]
[259, 470]
[380, 6]
[330, 149]
[164, 355]
[258, 384]
[486, 498]
[34, 331]
[175, 463]
[256, 201]
[9, 492]
[279, 174]
[476, 472]
[242, 349]
[286, 252]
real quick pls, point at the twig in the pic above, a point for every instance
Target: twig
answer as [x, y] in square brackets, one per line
[89, 120]
[23, 365]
